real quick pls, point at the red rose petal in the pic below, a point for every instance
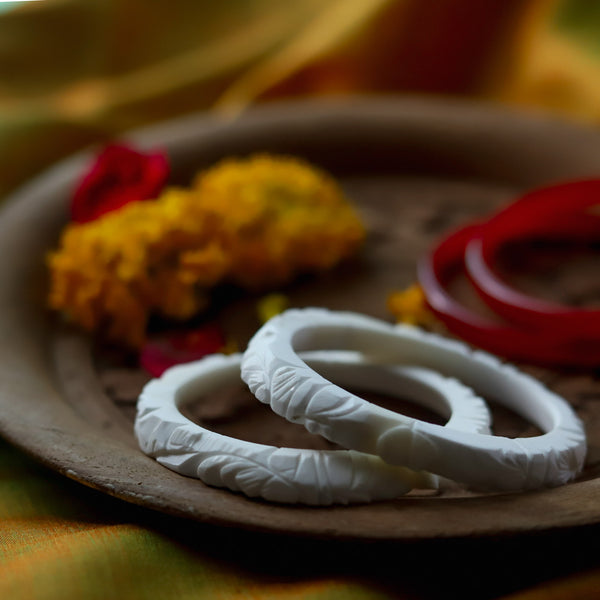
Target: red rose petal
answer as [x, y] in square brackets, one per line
[119, 175]
[160, 354]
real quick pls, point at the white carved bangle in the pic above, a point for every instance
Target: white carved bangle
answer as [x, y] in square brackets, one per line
[287, 474]
[277, 375]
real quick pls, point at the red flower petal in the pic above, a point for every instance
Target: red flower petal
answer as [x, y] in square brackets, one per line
[160, 354]
[118, 176]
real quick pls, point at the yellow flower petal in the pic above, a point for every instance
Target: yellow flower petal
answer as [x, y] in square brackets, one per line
[271, 305]
[409, 306]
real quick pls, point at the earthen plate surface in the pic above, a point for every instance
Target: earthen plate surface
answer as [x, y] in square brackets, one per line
[415, 168]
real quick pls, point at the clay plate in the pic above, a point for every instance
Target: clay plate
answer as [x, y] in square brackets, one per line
[415, 168]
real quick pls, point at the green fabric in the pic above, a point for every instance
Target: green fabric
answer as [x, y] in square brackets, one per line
[580, 20]
[60, 541]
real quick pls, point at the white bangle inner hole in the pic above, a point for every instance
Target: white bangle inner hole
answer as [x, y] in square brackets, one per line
[226, 406]
[505, 422]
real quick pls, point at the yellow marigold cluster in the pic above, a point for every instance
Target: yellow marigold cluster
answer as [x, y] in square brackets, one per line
[255, 222]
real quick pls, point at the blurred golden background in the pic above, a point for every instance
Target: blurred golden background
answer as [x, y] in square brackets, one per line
[75, 72]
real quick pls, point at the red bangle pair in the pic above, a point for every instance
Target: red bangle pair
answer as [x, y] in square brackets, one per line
[535, 330]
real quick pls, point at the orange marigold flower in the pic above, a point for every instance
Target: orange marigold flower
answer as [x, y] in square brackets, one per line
[409, 306]
[256, 223]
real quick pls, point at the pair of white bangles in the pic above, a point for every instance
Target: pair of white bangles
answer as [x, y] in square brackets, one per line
[297, 362]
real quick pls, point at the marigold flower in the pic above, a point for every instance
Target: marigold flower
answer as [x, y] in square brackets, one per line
[271, 305]
[409, 306]
[256, 223]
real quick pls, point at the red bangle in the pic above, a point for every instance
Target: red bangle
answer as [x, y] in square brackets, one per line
[518, 344]
[558, 212]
